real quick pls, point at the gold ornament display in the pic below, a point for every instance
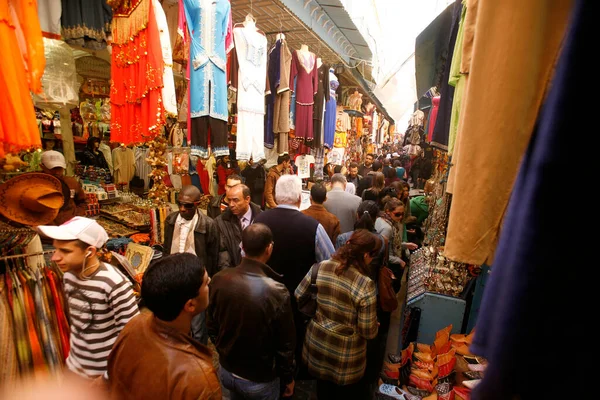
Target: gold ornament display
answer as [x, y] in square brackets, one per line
[157, 158]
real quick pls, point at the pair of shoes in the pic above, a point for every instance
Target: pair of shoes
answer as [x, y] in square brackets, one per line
[391, 366]
[392, 391]
[386, 379]
[472, 383]
[395, 359]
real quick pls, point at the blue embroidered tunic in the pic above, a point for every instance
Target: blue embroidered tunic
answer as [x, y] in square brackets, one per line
[209, 26]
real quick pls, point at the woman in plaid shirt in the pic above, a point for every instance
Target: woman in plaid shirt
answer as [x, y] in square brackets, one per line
[335, 347]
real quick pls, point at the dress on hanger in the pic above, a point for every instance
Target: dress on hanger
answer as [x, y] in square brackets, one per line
[86, 23]
[304, 68]
[330, 111]
[168, 90]
[250, 82]
[319, 108]
[137, 112]
[18, 127]
[208, 23]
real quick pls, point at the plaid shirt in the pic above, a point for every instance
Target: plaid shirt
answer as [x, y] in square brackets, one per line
[335, 347]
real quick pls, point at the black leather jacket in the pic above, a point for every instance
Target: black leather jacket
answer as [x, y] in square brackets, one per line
[250, 321]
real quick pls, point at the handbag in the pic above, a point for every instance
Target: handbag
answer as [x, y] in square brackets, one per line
[387, 295]
[307, 303]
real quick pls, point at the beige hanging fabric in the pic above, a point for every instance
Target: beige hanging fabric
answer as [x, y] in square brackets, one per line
[509, 51]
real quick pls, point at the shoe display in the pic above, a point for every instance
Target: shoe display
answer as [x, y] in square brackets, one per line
[473, 374]
[471, 384]
[391, 367]
[393, 391]
[395, 359]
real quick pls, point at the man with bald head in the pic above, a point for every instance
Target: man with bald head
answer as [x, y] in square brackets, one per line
[190, 231]
[230, 224]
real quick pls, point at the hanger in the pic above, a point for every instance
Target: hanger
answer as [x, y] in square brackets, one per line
[280, 35]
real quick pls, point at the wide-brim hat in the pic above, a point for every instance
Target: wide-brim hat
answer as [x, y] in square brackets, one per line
[31, 199]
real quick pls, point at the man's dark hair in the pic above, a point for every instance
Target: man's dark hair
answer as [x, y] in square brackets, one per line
[377, 165]
[353, 165]
[235, 177]
[373, 156]
[282, 158]
[337, 169]
[255, 239]
[318, 193]
[170, 282]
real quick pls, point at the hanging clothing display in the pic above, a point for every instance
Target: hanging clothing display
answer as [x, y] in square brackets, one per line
[457, 80]
[304, 67]
[303, 162]
[208, 23]
[435, 106]
[168, 91]
[278, 100]
[142, 168]
[49, 13]
[319, 107]
[21, 43]
[137, 111]
[330, 111]
[342, 122]
[123, 164]
[250, 60]
[86, 23]
[483, 176]
[442, 123]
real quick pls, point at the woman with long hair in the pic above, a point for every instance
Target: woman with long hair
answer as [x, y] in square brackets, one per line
[92, 156]
[335, 346]
[373, 193]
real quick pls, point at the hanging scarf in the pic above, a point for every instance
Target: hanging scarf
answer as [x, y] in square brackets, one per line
[398, 228]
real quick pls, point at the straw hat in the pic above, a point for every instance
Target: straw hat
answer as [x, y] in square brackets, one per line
[31, 199]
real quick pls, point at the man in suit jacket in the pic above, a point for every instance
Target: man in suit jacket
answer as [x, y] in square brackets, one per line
[341, 203]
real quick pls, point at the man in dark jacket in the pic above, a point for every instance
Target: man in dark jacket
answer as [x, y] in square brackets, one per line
[255, 176]
[232, 222]
[220, 203]
[250, 302]
[190, 231]
[283, 164]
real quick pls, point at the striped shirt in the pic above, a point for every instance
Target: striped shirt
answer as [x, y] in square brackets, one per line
[99, 308]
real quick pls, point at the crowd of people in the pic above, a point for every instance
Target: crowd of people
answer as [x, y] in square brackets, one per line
[233, 275]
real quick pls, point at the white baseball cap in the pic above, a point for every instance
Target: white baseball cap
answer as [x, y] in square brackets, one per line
[52, 159]
[85, 229]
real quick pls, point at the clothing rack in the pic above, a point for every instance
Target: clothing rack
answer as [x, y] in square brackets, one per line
[39, 253]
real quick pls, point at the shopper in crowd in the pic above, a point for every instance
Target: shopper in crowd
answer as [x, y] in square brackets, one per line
[353, 175]
[400, 171]
[328, 171]
[367, 180]
[100, 298]
[318, 195]
[299, 241]
[367, 167]
[230, 224]
[283, 164]
[221, 202]
[225, 168]
[155, 357]
[75, 204]
[92, 156]
[350, 188]
[387, 165]
[342, 204]
[190, 231]
[376, 190]
[391, 176]
[255, 175]
[250, 320]
[346, 298]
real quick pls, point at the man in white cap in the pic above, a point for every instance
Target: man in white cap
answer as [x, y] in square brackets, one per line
[100, 298]
[53, 163]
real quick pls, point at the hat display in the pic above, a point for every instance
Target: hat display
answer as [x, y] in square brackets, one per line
[52, 159]
[31, 199]
[85, 229]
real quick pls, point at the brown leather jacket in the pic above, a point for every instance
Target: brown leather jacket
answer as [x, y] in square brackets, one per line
[250, 321]
[330, 222]
[151, 360]
[272, 178]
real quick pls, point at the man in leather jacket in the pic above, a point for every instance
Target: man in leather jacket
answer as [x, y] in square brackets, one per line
[154, 356]
[250, 321]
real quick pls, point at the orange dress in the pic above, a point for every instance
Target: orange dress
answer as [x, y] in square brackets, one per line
[137, 113]
[23, 51]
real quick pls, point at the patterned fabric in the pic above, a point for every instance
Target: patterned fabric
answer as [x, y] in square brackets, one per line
[8, 354]
[335, 347]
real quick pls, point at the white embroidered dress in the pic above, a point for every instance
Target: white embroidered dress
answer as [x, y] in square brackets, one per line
[251, 50]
